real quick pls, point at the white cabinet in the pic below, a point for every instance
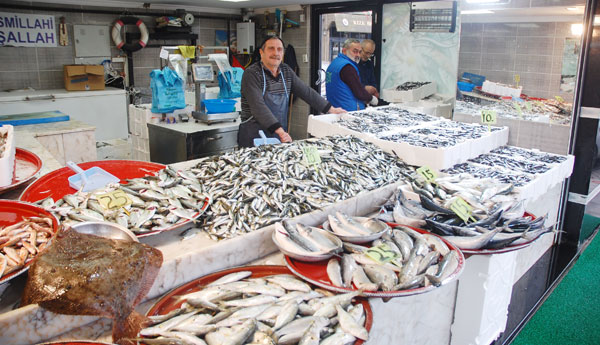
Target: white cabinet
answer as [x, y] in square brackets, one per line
[104, 109]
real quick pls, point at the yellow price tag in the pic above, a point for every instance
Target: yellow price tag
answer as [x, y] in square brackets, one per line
[528, 106]
[381, 253]
[427, 173]
[113, 200]
[517, 79]
[518, 108]
[560, 99]
[488, 117]
[311, 155]
[462, 209]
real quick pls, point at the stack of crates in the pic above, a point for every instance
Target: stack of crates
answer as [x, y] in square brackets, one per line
[139, 117]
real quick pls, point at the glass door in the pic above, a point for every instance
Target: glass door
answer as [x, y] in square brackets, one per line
[333, 24]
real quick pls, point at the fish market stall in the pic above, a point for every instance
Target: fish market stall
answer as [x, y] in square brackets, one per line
[544, 126]
[418, 139]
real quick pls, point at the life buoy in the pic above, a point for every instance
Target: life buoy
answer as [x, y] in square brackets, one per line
[130, 47]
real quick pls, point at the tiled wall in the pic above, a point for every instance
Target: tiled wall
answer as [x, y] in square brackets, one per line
[501, 50]
[42, 68]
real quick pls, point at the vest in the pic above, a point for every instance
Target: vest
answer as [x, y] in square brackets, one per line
[338, 93]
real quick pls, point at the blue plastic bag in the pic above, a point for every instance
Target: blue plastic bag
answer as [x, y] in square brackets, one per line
[230, 83]
[167, 91]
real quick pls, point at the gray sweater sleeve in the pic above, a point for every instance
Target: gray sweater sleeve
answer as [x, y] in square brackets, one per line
[310, 96]
[252, 86]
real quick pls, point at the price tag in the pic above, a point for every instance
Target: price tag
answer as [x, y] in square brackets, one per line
[381, 253]
[560, 99]
[310, 154]
[528, 106]
[518, 108]
[427, 173]
[113, 200]
[462, 209]
[488, 117]
[164, 54]
[517, 79]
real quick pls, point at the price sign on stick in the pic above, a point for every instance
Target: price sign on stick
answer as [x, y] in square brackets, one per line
[518, 108]
[381, 253]
[528, 106]
[311, 155]
[560, 99]
[462, 209]
[113, 200]
[427, 173]
[517, 79]
[488, 117]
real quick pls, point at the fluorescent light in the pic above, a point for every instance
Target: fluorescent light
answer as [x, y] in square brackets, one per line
[572, 9]
[234, 0]
[476, 12]
[577, 29]
[481, 1]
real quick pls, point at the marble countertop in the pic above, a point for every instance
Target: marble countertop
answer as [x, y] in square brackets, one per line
[54, 128]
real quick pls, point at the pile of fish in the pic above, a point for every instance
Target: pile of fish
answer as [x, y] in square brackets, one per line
[415, 260]
[414, 139]
[3, 140]
[540, 111]
[364, 126]
[529, 155]
[157, 202]
[482, 172]
[305, 242]
[411, 85]
[255, 187]
[20, 242]
[278, 309]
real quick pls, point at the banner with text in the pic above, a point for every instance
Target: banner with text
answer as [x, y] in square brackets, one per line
[27, 30]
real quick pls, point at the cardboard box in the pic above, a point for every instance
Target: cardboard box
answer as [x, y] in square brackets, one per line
[84, 77]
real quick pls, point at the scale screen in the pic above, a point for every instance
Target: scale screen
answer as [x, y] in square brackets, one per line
[202, 72]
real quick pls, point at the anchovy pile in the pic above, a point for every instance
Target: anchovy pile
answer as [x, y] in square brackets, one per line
[278, 309]
[546, 111]
[157, 203]
[417, 260]
[517, 179]
[362, 126]
[529, 155]
[420, 140]
[511, 164]
[255, 187]
[411, 85]
[404, 114]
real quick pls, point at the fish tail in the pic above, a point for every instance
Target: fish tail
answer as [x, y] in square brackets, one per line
[125, 331]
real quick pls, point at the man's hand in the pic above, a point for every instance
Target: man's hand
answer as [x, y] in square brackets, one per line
[334, 110]
[372, 90]
[283, 135]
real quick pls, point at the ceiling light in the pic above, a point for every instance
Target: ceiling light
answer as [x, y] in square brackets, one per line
[476, 12]
[481, 1]
[234, 0]
[577, 29]
[572, 8]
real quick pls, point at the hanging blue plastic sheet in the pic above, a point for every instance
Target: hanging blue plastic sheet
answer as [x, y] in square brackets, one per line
[167, 91]
[230, 83]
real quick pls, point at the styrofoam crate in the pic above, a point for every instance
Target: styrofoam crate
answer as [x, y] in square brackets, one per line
[139, 155]
[392, 95]
[7, 160]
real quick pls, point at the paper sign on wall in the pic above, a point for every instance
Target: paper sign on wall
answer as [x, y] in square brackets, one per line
[27, 30]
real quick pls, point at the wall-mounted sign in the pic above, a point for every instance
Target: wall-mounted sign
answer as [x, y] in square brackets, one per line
[27, 30]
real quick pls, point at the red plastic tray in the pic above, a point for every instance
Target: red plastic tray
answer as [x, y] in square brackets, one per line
[27, 165]
[167, 303]
[12, 212]
[316, 273]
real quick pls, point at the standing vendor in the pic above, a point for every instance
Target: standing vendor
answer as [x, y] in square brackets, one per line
[266, 88]
[366, 67]
[343, 85]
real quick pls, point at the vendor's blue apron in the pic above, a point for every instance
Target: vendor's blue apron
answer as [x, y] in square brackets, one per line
[277, 103]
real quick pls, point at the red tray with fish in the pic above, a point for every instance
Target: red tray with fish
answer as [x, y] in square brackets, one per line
[170, 302]
[56, 185]
[316, 273]
[27, 165]
[11, 213]
[76, 342]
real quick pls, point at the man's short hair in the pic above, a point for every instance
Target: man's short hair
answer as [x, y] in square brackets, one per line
[349, 41]
[262, 46]
[367, 41]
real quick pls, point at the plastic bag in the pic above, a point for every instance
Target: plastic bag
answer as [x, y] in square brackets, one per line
[230, 83]
[167, 91]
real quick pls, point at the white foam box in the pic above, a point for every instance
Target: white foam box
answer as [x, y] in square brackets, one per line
[392, 95]
[323, 125]
[501, 89]
[436, 105]
[482, 299]
[7, 160]
[140, 155]
[141, 144]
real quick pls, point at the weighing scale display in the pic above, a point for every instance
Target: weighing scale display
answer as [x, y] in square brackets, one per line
[202, 72]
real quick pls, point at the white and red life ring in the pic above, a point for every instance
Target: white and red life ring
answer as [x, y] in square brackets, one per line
[130, 47]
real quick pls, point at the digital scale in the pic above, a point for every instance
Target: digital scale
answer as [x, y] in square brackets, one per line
[203, 73]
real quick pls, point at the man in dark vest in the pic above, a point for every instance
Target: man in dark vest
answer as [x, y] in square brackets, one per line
[343, 85]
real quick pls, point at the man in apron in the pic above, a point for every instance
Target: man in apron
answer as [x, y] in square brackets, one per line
[266, 86]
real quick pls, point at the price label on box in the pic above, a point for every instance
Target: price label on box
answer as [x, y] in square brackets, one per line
[518, 108]
[381, 253]
[488, 117]
[114, 200]
[560, 99]
[428, 174]
[528, 106]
